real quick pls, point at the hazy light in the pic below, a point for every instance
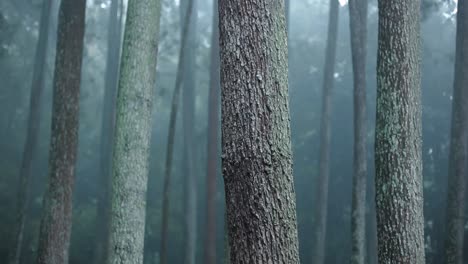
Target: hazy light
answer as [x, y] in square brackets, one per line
[343, 2]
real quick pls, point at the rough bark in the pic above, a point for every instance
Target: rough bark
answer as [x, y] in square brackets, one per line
[458, 144]
[107, 131]
[398, 162]
[171, 133]
[256, 139]
[54, 236]
[37, 87]
[321, 202]
[213, 143]
[358, 29]
[133, 132]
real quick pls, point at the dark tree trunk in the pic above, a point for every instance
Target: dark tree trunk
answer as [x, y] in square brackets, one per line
[458, 144]
[213, 143]
[256, 139]
[321, 202]
[358, 29]
[54, 236]
[34, 118]
[131, 148]
[171, 132]
[107, 131]
[398, 162]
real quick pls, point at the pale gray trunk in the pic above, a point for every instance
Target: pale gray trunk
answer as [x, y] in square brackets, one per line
[321, 202]
[107, 131]
[358, 29]
[188, 116]
[458, 144]
[171, 133]
[37, 87]
[133, 132]
[54, 236]
[398, 162]
[256, 139]
[213, 160]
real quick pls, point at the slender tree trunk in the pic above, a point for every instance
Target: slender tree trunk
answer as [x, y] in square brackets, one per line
[107, 131]
[358, 29]
[34, 118]
[54, 236]
[398, 162]
[133, 132]
[188, 116]
[256, 139]
[171, 134]
[213, 143]
[458, 144]
[321, 203]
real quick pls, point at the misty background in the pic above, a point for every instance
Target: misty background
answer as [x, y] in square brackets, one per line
[19, 22]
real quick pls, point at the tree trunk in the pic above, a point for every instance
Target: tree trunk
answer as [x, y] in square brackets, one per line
[358, 29]
[458, 144]
[188, 116]
[257, 158]
[107, 131]
[54, 236]
[321, 202]
[171, 133]
[133, 132]
[213, 143]
[398, 162]
[37, 87]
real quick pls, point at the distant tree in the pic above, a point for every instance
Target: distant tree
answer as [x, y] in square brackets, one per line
[358, 29]
[131, 147]
[171, 132]
[213, 142]
[458, 144]
[54, 236]
[256, 156]
[37, 87]
[398, 162]
[188, 121]
[107, 130]
[321, 202]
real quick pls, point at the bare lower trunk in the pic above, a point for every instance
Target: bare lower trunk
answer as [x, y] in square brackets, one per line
[458, 144]
[321, 202]
[107, 131]
[54, 236]
[398, 162]
[256, 157]
[213, 143]
[171, 134]
[133, 125]
[34, 118]
[358, 28]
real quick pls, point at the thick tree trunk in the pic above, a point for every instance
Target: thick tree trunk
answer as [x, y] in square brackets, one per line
[398, 162]
[458, 144]
[257, 158]
[358, 29]
[188, 116]
[213, 143]
[133, 132]
[34, 118]
[321, 202]
[54, 236]
[171, 133]
[107, 131]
